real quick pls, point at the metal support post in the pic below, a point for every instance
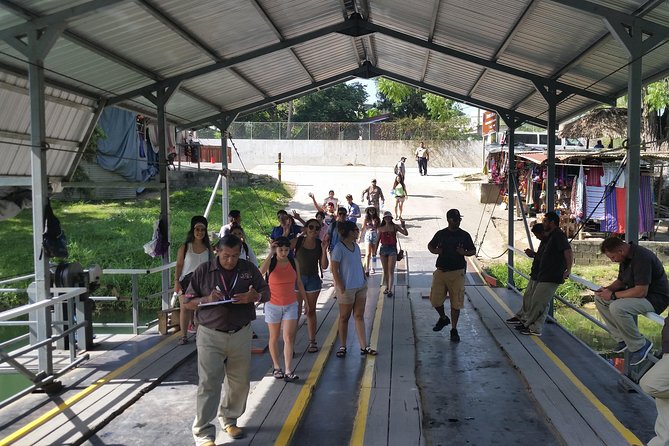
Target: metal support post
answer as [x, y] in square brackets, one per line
[279, 162]
[223, 125]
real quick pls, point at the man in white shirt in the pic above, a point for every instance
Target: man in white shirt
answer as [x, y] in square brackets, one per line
[422, 157]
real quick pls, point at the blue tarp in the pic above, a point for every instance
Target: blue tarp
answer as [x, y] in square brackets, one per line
[121, 152]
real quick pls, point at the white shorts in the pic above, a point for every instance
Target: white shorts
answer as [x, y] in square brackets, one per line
[274, 314]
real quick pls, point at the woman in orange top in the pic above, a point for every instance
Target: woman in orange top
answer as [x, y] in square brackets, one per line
[281, 310]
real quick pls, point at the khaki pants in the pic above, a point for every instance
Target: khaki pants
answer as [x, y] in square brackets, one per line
[656, 384]
[527, 296]
[620, 318]
[537, 305]
[225, 359]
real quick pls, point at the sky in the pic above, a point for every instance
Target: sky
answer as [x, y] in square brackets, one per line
[370, 87]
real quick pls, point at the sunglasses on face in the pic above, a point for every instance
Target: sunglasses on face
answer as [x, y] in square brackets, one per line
[314, 227]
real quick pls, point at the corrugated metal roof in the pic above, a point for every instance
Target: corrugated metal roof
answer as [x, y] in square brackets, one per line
[260, 50]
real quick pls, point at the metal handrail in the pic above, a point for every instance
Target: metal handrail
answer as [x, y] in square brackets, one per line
[17, 279]
[26, 309]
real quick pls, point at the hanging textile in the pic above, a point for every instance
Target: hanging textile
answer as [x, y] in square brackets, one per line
[594, 176]
[610, 223]
[646, 200]
[579, 187]
[615, 208]
[593, 208]
[169, 138]
[610, 171]
[120, 151]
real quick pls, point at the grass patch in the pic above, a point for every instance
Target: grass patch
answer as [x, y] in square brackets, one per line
[112, 234]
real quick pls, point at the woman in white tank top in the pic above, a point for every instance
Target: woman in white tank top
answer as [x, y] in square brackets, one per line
[195, 251]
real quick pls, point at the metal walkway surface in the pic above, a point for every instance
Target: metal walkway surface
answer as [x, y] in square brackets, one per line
[493, 387]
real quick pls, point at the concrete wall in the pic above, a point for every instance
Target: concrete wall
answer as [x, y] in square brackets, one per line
[586, 252]
[342, 153]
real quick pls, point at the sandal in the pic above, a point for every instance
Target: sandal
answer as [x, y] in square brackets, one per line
[313, 348]
[389, 294]
[368, 351]
[183, 340]
[278, 373]
[341, 352]
[385, 291]
[290, 376]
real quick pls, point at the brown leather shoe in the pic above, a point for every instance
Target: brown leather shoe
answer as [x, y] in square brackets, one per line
[234, 431]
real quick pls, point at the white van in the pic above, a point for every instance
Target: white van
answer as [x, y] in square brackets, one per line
[540, 141]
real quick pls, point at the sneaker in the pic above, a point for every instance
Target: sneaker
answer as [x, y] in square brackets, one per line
[441, 323]
[208, 442]
[639, 356]
[520, 326]
[620, 347]
[234, 432]
[455, 337]
[529, 331]
[192, 328]
[513, 321]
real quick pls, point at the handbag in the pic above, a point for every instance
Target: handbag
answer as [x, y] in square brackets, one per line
[400, 252]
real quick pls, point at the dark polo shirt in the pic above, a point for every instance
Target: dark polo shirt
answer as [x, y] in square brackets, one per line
[642, 267]
[536, 260]
[449, 259]
[226, 317]
[552, 263]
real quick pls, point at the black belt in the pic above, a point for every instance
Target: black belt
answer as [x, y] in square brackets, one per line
[231, 331]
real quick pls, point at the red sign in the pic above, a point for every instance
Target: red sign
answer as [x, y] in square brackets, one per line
[489, 122]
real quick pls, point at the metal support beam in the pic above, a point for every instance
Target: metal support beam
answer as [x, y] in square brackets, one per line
[552, 98]
[223, 124]
[37, 44]
[160, 99]
[512, 121]
[86, 139]
[632, 40]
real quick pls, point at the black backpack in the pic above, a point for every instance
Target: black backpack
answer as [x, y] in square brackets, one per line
[272, 265]
[54, 242]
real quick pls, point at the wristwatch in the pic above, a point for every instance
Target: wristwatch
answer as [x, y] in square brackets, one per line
[613, 296]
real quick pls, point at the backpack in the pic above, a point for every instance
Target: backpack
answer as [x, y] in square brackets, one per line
[54, 242]
[398, 171]
[272, 265]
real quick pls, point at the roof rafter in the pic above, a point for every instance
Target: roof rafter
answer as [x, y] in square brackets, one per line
[268, 20]
[288, 43]
[103, 51]
[278, 98]
[456, 96]
[483, 62]
[505, 42]
[430, 37]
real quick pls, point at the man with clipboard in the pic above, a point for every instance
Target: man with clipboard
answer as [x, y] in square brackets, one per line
[224, 293]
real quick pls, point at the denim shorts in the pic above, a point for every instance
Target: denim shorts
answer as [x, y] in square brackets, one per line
[274, 314]
[371, 237]
[311, 283]
[388, 250]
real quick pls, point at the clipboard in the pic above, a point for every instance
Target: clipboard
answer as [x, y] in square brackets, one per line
[218, 302]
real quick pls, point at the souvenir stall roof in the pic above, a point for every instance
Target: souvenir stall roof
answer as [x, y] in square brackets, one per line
[229, 57]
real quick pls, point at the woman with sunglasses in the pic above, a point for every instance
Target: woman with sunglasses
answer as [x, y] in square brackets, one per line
[351, 287]
[281, 310]
[195, 250]
[311, 254]
[388, 250]
[370, 236]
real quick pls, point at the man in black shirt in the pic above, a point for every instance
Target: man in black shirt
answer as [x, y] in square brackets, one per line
[538, 231]
[451, 244]
[641, 287]
[554, 267]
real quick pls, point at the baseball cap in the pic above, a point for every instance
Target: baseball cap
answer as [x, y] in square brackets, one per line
[403, 158]
[454, 214]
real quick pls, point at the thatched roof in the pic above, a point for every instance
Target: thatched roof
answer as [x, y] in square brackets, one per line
[602, 122]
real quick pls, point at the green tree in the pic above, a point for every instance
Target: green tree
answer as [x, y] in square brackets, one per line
[404, 101]
[339, 103]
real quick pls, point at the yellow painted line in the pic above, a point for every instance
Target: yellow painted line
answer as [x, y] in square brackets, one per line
[631, 439]
[71, 401]
[303, 398]
[360, 420]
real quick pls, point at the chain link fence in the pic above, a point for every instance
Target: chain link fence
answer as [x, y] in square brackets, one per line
[381, 131]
